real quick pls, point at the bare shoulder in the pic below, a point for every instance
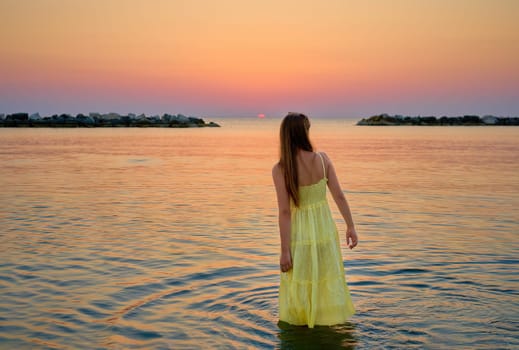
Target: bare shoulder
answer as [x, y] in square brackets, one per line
[278, 177]
[327, 160]
[276, 170]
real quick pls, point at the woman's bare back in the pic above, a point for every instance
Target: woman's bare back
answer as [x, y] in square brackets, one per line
[309, 168]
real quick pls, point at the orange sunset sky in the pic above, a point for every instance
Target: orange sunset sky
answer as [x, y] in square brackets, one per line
[339, 58]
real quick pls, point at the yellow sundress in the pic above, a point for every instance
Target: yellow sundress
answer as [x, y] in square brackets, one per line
[314, 291]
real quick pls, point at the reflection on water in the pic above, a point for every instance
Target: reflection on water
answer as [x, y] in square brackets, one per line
[167, 238]
[320, 337]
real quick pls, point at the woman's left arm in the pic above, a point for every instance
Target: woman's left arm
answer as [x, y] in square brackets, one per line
[284, 217]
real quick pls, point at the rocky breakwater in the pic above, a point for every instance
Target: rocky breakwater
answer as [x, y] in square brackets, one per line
[93, 120]
[385, 119]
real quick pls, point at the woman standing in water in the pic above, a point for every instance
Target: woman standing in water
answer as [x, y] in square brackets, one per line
[313, 289]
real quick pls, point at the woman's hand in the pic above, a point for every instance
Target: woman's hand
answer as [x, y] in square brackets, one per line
[285, 261]
[351, 238]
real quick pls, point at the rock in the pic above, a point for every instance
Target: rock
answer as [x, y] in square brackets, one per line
[429, 120]
[181, 118]
[213, 125]
[118, 121]
[178, 120]
[385, 119]
[17, 117]
[94, 119]
[509, 121]
[444, 120]
[112, 115]
[168, 117]
[196, 120]
[84, 120]
[381, 119]
[62, 118]
[143, 121]
[66, 120]
[471, 119]
[126, 120]
[489, 120]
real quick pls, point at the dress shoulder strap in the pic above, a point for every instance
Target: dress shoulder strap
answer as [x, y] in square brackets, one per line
[322, 162]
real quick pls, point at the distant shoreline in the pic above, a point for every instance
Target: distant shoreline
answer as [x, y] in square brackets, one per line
[96, 120]
[386, 119]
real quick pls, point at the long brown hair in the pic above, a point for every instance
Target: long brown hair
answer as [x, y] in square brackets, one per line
[293, 136]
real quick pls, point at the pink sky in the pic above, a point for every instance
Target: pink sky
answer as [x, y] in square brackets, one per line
[240, 58]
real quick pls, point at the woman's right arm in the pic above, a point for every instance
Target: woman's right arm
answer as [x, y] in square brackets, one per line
[285, 261]
[342, 203]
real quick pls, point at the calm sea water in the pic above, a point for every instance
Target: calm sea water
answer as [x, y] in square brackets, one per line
[168, 238]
